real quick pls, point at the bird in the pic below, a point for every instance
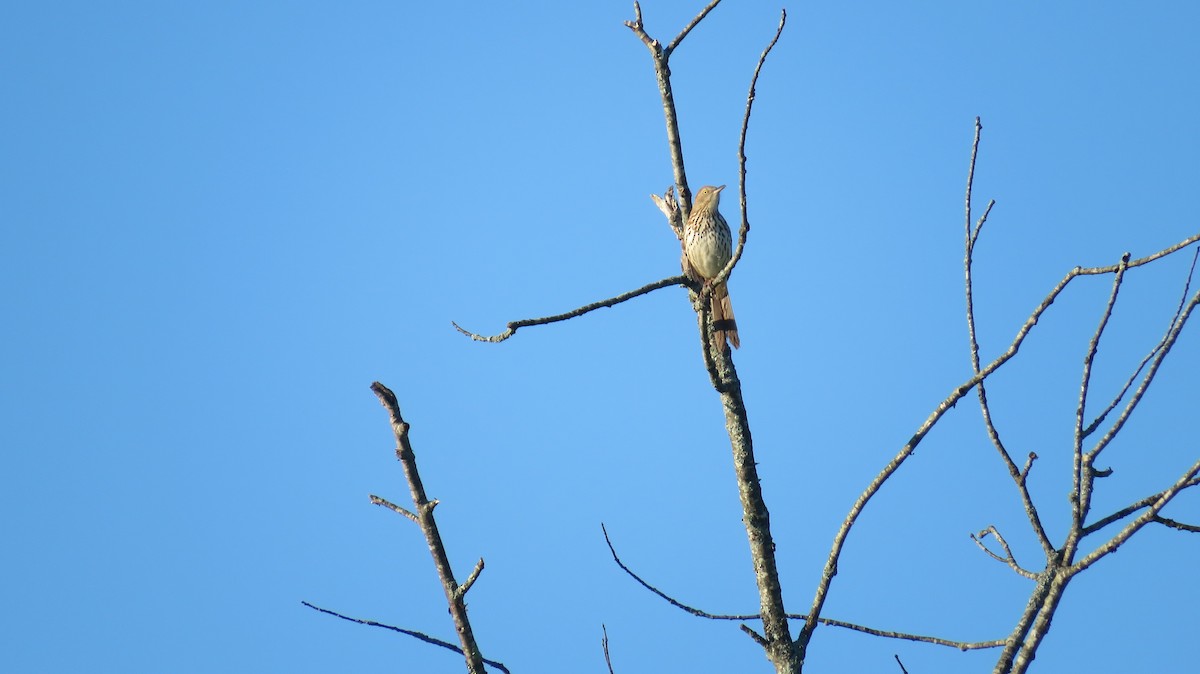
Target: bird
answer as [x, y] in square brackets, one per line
[708, 244]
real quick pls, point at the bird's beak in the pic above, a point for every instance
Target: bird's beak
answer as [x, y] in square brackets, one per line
[718, 190]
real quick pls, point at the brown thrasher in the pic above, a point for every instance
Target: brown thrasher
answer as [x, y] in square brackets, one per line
[708, 244]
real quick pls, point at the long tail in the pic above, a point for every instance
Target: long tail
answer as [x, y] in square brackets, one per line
[724, 324]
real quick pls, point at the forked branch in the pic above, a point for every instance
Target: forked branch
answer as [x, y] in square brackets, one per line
[1008, 557]
[422, 515]
[662, 72]
[423, 512]
[971, 238]
[1130, 509]
[1150, 356]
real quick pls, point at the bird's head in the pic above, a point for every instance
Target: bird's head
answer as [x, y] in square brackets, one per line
[708, 197]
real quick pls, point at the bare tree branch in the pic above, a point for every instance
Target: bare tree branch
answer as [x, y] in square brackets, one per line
[1112, 268]
[1028, 466]
[466, 586]
[1142, 520]
[604, 645]
[776, 638]
[688, 28]
[700, 613]
[662, 72]
[1081, 484]
[400, 510]
[744, 230]
[936, 641]
[1008, 555]
[758, 638]
[513, 326]
[1129, 510]
[670, 208]
[1175, 524]
[1153, 352]
[412, 633]
[1168, 342]
[971, 237]
[423, 508]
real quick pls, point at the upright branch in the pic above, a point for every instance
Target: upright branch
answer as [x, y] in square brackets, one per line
[422, 514]
[745, 228]
[776, 638]
[1120, 395]
[1081, 486]
[1019, 476]
[662, 72]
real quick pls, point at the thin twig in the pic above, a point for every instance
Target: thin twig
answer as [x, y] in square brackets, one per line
[664, 596]
[688, 28]
[1112, 268]
[662, 74]
[412, 633]
[604, 645]
[971, 237]
[639, 29]
[935, 641]
[1008, 555]
[1081, 482]
[700, 613]
[1176, 524]
[1129, 510]
[380, 501]
[1153, 352]
[744, 230]
[1142, 520]
[971, 184]
[466, 586]
[758, 638]
[602, 304]
[902, 669]
[1028, 466]
[1168, 343]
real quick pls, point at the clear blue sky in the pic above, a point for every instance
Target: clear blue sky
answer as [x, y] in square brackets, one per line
[221, 221]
